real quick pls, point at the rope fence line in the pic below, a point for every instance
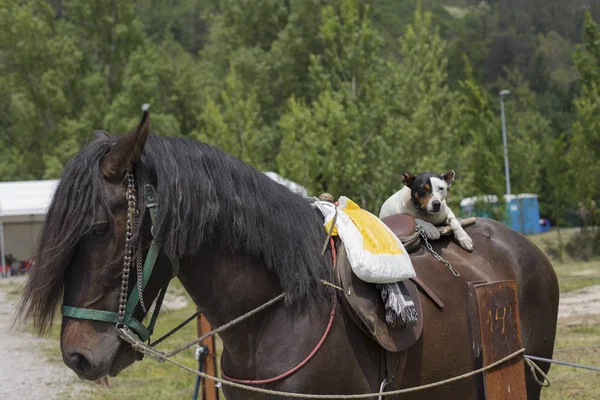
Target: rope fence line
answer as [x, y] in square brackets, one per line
[568, 364]
[579, 278]
[162, 357]
[597, 346]
[143, 348]
[533, 367]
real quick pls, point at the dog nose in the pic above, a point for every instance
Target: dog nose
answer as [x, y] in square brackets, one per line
[436, 205]
[77, 362]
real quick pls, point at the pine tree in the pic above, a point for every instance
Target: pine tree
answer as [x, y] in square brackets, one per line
[234, 123]
[584, 152]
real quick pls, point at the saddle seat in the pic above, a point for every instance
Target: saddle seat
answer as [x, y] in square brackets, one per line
[403, 226]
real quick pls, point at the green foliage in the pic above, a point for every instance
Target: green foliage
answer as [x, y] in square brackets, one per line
[341, 123]
[235, 123]
[90, 69]
[373, 118]
[427, 111]
[340, 95]
[528, 130]
[316, 139]
[584, 152]
[481, 143]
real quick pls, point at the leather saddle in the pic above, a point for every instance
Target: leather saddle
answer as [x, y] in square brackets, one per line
[403, 226]
[363, 303]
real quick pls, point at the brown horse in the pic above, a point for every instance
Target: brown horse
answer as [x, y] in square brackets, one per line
[242, 239]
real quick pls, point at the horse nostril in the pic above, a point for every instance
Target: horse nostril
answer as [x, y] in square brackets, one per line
[78, 362]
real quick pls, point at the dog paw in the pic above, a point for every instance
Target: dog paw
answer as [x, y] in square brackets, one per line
[430, 230]
[465, 242]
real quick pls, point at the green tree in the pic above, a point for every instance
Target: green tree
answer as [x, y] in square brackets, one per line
[166, 77]
[320, 148]
[39, 66]
[381, 117]
[558, 177]
[584, 151]
[425, 112]
[269, 43]
[234, 123]
[334, 144]
[481, 145]
[82, 66]
[529, 135]
[63, 70]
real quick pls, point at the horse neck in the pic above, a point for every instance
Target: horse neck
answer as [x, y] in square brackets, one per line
[225, 285]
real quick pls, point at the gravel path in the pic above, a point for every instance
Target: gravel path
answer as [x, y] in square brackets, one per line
[26, 371]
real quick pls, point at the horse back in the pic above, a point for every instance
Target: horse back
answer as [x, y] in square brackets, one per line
[499, 254]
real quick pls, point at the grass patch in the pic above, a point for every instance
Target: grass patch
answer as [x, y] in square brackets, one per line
[582, 271]
[12, 288]
[551, 238]
[570, 383]
[150, 379]
[567, 382]
[569, 268]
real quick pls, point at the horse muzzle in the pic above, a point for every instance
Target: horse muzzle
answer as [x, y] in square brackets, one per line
[84, 364]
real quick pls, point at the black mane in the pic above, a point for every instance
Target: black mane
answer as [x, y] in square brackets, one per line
[205, 197]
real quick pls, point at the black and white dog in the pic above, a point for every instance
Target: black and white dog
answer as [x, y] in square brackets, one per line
[424, 197]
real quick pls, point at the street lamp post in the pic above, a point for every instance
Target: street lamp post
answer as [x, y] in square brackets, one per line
[506, 169]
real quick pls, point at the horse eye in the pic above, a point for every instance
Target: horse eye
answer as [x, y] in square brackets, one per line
[100, 230]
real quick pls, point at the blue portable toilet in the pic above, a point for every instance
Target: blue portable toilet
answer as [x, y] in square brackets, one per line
[522, 211]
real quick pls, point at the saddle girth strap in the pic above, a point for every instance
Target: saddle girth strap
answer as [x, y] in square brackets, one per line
[392, 370]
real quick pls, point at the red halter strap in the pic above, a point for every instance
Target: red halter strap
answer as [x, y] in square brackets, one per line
[307, 359]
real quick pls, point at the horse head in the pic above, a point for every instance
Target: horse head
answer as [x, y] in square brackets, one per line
[84, 251]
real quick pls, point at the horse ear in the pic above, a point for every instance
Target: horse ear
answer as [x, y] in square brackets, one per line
[408, 179]
[449, 177]
[127, 151]
[101, 135]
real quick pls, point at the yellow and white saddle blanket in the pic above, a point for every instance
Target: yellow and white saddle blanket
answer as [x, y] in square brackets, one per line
[375, 253]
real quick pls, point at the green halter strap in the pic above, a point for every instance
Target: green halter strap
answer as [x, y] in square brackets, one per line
[133, 300]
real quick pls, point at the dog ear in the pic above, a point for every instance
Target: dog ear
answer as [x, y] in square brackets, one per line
[449, 177]
[408, 179]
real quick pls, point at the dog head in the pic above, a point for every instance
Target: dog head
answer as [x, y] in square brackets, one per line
[428, 190]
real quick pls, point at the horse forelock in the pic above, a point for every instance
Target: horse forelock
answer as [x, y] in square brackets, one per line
[70, 216]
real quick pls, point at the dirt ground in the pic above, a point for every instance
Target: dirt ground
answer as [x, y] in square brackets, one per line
[579, 306]
[26, 371]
